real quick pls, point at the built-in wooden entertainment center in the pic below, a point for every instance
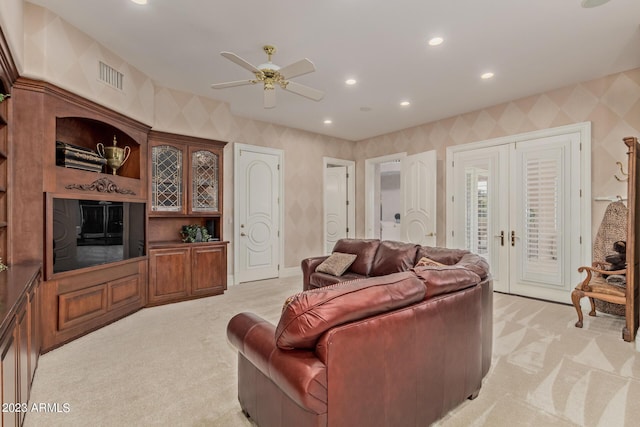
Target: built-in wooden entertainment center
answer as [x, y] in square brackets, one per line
[179, 178]
[86, 246]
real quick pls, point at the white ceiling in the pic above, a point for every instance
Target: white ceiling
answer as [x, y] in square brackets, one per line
[531, 45]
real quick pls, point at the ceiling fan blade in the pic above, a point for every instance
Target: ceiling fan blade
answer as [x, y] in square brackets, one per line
[241, 62]
[304, 66]
[232, 84]
[305, 91]
[269, 98]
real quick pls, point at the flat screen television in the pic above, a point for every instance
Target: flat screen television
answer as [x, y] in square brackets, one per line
[94, 232]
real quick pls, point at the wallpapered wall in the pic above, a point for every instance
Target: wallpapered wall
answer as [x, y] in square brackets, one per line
[611, 104]
[59, 53]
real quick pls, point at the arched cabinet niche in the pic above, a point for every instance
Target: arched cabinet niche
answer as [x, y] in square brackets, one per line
[88, 133]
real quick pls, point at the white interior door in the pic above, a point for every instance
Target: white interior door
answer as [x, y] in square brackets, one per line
[258, 215]
[335, 204]
[418, 188]
[518, 205]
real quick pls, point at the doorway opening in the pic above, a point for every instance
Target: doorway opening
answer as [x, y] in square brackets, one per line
[383, 172]
[400, 192]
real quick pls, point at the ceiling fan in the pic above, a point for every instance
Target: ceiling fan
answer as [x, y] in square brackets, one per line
[271, 75]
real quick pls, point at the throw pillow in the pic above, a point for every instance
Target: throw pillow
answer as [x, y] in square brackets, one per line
[336, 264]
[428, 262]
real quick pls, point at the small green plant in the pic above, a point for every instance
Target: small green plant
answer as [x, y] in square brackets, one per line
[194, 233]
[3, 266]
[4, 96]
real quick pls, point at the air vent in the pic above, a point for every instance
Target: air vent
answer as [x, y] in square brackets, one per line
[110, 75]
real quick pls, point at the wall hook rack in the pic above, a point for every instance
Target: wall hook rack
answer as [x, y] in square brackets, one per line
[626, 175]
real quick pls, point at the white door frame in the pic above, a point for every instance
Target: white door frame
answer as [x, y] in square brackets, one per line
[369, 190]
[584, 129]
[237, 147]
[351, 193]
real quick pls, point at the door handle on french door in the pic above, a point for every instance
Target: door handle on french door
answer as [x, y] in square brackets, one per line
[242, 234]
[501, 236]
[513, 238]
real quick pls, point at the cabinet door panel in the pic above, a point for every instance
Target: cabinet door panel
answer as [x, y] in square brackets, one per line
[124, 291]
[9, 375]
[209, 270]
[75, 308]
[23, 358]
[167, 178]
[170, 274]
[204, 177]
[34, 332]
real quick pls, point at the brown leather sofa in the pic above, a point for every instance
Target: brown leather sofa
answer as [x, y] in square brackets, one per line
[398, 349]
[381, 257]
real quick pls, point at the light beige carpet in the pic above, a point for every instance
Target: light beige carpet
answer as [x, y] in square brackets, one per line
[172, 366]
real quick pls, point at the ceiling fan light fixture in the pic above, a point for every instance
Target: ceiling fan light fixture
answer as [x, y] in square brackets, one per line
[593, 3]
[268, 66]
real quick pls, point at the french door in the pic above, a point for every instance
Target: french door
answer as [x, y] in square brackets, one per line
[518, 205]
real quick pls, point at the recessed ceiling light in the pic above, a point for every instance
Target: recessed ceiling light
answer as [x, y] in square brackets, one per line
[405, 103]
[436, 41]
[139, 1]
[328, 121]
[351, 82]
[486, 76]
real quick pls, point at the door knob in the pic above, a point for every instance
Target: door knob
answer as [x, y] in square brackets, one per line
[513, 238]
[501, 236]
[432, 234]
[242, 234]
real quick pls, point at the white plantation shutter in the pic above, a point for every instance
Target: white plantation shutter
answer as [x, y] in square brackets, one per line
[541, 225]
[541, 211]
[476, 211]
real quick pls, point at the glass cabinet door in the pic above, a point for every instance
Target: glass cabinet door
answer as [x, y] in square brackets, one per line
[166, 179]
[204, 181]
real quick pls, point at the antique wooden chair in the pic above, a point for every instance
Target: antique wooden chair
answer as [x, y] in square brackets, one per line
[595, 286]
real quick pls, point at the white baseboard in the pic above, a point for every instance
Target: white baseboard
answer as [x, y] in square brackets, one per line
[290, 272]
[285, 272]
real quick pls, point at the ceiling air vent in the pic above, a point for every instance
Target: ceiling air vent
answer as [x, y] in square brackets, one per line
[110, 75]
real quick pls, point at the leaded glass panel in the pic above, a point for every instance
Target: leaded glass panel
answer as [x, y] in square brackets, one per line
[204, 170]
[166, 178]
